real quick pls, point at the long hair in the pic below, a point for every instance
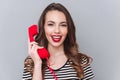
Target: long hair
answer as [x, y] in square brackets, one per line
[70, 44]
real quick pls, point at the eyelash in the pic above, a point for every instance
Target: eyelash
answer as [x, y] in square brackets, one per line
[50, 24]
[64, 25]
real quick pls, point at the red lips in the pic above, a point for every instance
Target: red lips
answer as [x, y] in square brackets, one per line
[56, 38]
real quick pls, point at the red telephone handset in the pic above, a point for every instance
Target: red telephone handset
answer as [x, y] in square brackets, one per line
[43, 53]
[32, 31]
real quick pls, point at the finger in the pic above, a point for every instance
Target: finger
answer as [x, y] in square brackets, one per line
[34, 48]
[41, 47]
[29, 47]
[34, 52]
[33, 42]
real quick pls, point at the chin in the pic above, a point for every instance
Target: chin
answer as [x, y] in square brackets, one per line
[57, 45]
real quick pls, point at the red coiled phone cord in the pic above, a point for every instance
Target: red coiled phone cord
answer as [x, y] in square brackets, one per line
[51, 70]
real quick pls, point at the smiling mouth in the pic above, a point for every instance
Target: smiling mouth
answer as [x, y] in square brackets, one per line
[56, 38]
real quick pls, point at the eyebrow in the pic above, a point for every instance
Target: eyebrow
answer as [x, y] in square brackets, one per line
[64, 22]
[60, 22]
[51, 21]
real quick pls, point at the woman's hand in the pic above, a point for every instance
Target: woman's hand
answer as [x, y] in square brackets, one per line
[32, 51]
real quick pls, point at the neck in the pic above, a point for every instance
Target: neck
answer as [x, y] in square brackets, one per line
[56, 51]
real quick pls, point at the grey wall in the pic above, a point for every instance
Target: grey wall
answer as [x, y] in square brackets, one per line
[98, 34]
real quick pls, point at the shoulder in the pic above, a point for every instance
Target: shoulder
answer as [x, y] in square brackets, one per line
[26, 75]
[84, 59]
[87, 69]
[88, 72]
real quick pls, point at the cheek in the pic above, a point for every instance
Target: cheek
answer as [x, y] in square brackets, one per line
[47, 30]
[65, 32]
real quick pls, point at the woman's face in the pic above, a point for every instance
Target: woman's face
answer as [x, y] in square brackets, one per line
[56, 28]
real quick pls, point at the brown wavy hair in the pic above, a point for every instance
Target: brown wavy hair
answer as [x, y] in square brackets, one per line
[70, 45]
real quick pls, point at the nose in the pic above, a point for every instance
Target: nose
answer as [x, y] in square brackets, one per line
[57, 29]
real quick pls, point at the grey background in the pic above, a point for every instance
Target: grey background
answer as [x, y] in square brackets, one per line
[98, 34]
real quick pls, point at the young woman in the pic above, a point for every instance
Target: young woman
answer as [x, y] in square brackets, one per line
[57, 35]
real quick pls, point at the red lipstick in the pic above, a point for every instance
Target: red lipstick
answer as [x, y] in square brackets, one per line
[56, 38]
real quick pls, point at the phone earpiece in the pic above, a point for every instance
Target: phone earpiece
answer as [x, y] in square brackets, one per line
[32, 31]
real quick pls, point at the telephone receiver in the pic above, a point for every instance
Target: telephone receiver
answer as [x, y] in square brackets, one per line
[43, 53]
[32, 31]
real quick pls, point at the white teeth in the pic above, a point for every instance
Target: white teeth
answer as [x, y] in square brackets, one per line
[56, 36]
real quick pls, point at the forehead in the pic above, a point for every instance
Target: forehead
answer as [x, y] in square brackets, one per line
[55, 15]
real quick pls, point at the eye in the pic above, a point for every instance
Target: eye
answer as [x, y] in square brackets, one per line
[64, 25]
[50, 24]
